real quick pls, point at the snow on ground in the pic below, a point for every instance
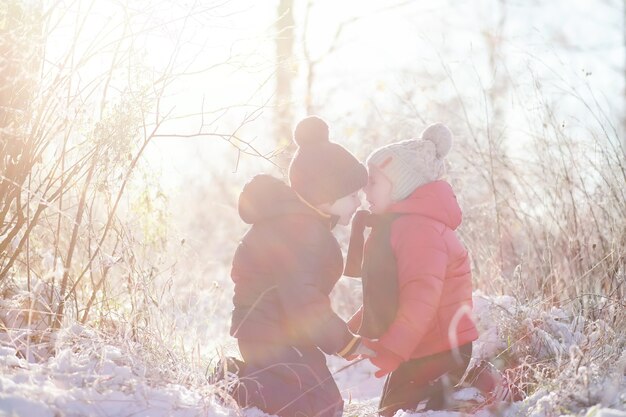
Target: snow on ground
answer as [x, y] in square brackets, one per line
[90, 376]
[85, 379]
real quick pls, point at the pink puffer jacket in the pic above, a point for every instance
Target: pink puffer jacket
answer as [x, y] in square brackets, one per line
[434, 276]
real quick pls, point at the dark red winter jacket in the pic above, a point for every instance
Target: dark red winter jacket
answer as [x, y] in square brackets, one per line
[284, 270]
[434, 281]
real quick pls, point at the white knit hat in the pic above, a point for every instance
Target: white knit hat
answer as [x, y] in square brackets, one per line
[412, 163]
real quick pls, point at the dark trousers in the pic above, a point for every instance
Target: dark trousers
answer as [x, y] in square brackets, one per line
[431, 377]
[287, 381]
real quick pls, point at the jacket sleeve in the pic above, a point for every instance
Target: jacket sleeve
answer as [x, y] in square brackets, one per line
[307, 307]
[354, 323]
[421, 257]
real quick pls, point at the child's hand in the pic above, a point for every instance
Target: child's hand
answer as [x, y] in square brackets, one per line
[364, 351]
[385, 360]
[358, 350]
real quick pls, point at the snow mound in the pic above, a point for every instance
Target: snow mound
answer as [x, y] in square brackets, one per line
[89, 378]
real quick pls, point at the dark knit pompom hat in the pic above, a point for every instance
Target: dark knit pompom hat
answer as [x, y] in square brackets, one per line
[322, 171]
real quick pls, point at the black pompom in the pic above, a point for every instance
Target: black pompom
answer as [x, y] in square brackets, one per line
[310, 130]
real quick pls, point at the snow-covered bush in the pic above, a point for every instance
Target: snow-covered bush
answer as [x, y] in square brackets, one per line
[563, 362]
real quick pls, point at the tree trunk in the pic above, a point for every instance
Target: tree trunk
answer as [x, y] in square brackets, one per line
[284, 77]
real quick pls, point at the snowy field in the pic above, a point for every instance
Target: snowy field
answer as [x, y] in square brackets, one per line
[93, 376]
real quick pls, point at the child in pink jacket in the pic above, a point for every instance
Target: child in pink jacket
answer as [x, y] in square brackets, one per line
[417, 282]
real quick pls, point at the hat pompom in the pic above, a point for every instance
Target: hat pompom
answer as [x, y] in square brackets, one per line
[441, 136]
[310, 131]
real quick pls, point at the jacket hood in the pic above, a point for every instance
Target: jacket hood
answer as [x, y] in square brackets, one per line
[434, 200]
[265, 197]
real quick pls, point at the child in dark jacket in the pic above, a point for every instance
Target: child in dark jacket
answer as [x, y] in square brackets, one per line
[284, 270]
[417, 283]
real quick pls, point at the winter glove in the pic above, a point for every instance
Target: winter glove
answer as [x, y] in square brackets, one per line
[385, 360]
[363, 350]
[354, 349]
